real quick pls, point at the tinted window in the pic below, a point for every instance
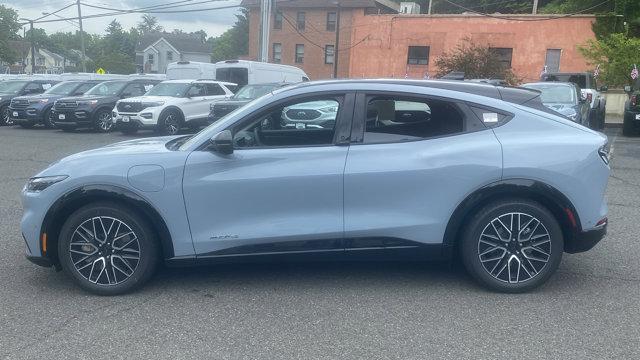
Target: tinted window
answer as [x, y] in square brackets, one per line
[84, 88]
[215, 89]
[64, 88]
[237, 75]
[107, 88]
[33, 88]
[133, 90]
[397, 119]
[302, 123]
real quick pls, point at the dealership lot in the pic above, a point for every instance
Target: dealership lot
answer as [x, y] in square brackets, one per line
[589, 309]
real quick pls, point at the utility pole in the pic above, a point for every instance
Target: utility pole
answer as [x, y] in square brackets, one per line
[335, 48]
[535, 7]
[429, 9]
[84, 65]
[33, 48]
[265, 11]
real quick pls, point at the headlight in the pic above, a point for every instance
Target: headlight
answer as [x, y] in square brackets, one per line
[330, 109]
[153, 103]
[87, 102]
[38, 184]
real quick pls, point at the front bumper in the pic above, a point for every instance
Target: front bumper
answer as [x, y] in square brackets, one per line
[40, 261]
[72, 118]
[147, 118]
[585, 240]
[26, 116]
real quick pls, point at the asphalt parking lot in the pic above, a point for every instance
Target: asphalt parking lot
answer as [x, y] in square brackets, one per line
[588, 310]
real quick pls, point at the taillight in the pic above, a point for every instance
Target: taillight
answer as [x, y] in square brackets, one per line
[589, 97]
[634, 100]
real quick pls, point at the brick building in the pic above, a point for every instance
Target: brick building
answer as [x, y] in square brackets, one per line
[377, 41]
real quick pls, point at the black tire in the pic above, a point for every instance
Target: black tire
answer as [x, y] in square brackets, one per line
[170, 123]
[4, 116]
[530, 273]
[102, 121]
[48, 120]
[603, 118]
[113, 264]
[627, 127]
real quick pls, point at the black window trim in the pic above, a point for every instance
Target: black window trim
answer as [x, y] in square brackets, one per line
[362, 100]
[341, 137]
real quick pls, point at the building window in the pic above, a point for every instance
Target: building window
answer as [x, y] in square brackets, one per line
[299, 53]
[150, 59]
[277, 20]
[504, 56]
[552, 60]
[169, 55]
[301, 20]
[418, 55]
[332, 19]
[329, 54]
[277, 53]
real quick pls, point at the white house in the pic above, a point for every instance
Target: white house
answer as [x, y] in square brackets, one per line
[48, 62]
[155, 51]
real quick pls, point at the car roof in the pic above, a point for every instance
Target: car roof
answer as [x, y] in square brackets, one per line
[505, 93]
[187, 81]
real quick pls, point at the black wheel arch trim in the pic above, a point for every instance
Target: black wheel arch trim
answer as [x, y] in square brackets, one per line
[74, 199]
[554, 200]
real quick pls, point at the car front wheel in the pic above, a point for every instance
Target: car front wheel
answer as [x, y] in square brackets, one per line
[169, 123]
[512, 246]
[103, 121]
[108, 249]
[4, 116]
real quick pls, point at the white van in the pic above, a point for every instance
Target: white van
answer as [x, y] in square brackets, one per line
[161, 77]
[243, 72]
[79, 76]
[191, 70]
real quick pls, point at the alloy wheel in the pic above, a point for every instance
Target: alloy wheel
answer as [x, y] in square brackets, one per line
[6, 120]
[514, 247]
[104, 121]
[104, 250]
[171, 124]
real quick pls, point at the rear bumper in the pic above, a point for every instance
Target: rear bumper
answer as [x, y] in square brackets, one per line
[585, 240]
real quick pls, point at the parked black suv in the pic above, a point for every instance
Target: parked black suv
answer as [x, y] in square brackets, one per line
[93, 109]
[28, 111]
[242, 97]
[631, 120]
[13, 88]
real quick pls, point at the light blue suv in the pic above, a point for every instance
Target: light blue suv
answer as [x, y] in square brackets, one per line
[419, 169]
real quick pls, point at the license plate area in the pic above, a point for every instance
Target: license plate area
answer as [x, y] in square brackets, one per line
[61, 117]
[126, 119]
[637, 116]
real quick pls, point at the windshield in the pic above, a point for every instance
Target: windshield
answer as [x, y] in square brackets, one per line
[168, 89]
[12, 87]
[580, 80]
[107, 88]
[251, 92]
[561, 94]
[65, 88]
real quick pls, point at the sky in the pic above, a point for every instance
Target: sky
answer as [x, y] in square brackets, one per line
[213, 23]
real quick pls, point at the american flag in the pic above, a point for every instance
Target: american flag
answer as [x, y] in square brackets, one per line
[634, 72]
[596, 72]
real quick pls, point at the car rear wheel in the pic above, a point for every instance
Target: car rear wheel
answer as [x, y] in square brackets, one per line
[170, 123]
[512, 246]
[4, 116]
[108, 249]
[103, 122]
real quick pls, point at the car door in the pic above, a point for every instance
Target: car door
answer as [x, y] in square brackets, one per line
[281, 190]
[197, 106]
[413, 159]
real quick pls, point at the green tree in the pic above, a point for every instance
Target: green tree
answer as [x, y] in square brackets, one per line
[233, 42]
[475, 61]
[616, 54]
[149, 24]
[9, 27]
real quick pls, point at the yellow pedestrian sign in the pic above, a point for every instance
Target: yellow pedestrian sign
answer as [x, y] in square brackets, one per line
[100, 71]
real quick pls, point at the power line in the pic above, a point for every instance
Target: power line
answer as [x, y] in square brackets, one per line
[150, 8]
[521, 19]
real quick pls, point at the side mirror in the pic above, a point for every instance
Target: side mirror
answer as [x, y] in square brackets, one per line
[222, 142]
[627, 88]
[604, 88]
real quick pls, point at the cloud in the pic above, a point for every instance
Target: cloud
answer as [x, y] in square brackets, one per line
[213, 22]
